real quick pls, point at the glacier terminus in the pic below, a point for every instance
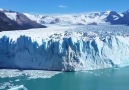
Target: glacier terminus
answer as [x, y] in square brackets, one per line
[66, 48]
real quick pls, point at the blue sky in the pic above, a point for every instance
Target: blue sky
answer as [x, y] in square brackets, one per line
[64, 6]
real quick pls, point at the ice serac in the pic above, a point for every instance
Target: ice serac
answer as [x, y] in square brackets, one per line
[67, 49]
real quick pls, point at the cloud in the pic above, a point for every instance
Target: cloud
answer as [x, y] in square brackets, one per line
[62, 6]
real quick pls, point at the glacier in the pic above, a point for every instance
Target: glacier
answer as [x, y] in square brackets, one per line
[66, 48]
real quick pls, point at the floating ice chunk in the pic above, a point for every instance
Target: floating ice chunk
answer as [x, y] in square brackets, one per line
[18, 87]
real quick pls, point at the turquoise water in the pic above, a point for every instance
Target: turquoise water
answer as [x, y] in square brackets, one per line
[107, 79]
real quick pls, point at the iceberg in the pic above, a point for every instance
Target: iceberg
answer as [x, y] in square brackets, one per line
[65, 48]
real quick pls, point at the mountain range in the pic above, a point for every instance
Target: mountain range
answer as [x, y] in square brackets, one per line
[95, 18]
[12, 20]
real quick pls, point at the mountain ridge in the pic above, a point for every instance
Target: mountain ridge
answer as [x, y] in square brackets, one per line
[95, 18]
[12, 20]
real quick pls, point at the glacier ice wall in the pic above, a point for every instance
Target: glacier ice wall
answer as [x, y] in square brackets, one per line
[67, 54]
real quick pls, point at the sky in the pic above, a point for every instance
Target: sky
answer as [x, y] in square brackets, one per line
[64, 6]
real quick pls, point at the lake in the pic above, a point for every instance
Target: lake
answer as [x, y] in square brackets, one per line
[106, 79]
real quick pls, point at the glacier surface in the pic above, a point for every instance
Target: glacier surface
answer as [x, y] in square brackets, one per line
[66, 48]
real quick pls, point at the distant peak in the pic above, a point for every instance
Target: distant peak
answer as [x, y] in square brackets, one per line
[1, 9]
[9, 11]
[108, 12]
[127, 11]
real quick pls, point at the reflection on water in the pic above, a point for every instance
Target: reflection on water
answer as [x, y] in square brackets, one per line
[107, 79]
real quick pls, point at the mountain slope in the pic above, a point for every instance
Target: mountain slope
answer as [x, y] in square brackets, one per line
[7, 24]
[125, 18]
[10, 20]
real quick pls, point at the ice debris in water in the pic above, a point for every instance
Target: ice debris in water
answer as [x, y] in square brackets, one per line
[30, 74]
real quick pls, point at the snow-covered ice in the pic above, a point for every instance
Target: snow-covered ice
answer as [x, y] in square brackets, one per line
[18, 87]
[10, 86]
[67, 48]
[30, 74]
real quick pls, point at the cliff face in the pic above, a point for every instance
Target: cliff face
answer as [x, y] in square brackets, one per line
[67, 49]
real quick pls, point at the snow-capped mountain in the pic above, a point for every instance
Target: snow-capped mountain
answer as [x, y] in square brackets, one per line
[11, 20]
[95, 18]
[67, 48]
[125, 18]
